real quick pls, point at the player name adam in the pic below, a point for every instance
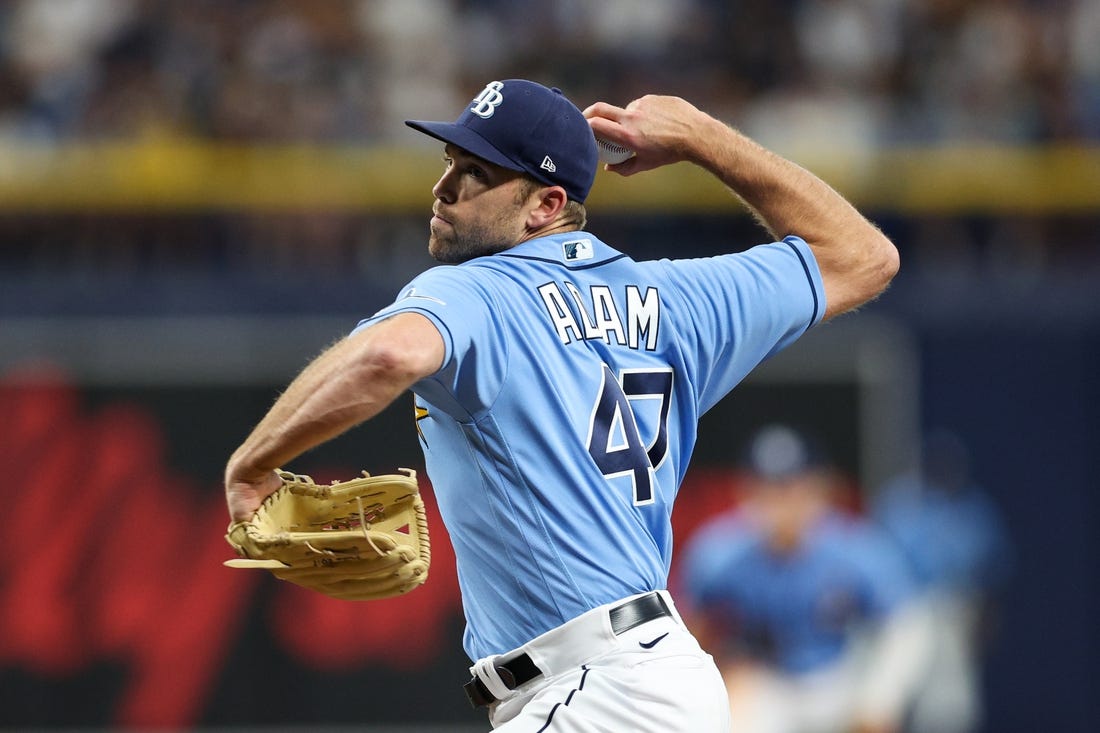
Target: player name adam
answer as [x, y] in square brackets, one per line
[633, 324]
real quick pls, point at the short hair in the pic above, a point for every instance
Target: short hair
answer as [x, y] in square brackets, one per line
[573, 213]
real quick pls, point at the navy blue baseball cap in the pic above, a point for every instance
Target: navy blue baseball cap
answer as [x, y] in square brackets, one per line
[524, 126]
[780, 452]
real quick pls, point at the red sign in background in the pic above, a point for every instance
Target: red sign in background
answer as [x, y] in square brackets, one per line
[114, 558]
[116, 610]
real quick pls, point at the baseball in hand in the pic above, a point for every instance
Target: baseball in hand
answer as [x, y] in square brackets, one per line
[612, 153]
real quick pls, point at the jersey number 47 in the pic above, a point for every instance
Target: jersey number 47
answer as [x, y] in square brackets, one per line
[614, 439]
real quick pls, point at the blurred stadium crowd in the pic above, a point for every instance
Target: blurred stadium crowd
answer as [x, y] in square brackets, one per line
[872, 71]
[846, 76]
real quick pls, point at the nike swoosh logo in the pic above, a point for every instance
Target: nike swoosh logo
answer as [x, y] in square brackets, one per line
[651, 644]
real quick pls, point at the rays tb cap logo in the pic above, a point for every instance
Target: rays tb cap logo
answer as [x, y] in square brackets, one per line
[524, 126]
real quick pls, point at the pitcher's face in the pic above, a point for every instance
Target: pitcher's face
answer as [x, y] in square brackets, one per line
[479, 208]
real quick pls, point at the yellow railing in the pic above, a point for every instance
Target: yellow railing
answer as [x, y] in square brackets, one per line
[184, 175]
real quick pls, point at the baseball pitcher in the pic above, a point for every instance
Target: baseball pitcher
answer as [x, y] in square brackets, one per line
[558, 385]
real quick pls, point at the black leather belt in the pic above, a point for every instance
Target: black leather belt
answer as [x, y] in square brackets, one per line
[521, 670]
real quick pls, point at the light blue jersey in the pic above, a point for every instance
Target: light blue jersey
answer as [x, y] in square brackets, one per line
[562, 421]
[797, 611]
[955, 540]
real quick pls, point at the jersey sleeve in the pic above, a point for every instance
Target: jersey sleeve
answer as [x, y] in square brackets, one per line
[738, 310]
[463, 313]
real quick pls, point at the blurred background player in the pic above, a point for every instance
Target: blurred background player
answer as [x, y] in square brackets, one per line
[953, 537]
[807, 608]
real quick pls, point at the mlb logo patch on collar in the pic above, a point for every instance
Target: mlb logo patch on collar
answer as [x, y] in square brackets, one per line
[577, 250]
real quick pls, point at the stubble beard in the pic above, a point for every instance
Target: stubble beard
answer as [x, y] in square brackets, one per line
[451, 247]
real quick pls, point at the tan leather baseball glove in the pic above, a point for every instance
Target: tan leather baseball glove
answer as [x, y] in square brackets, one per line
[361, 539]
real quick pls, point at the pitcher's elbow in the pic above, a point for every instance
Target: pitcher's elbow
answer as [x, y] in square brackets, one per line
[889, 261]
[881, 262]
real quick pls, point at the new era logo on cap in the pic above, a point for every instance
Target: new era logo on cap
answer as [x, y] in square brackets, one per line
[525, 126]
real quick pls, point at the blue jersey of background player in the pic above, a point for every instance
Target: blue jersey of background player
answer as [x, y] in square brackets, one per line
[810, 610]
[558, 384]
[789, 576]
[948, 525]
[951, 531]
[799, 612]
